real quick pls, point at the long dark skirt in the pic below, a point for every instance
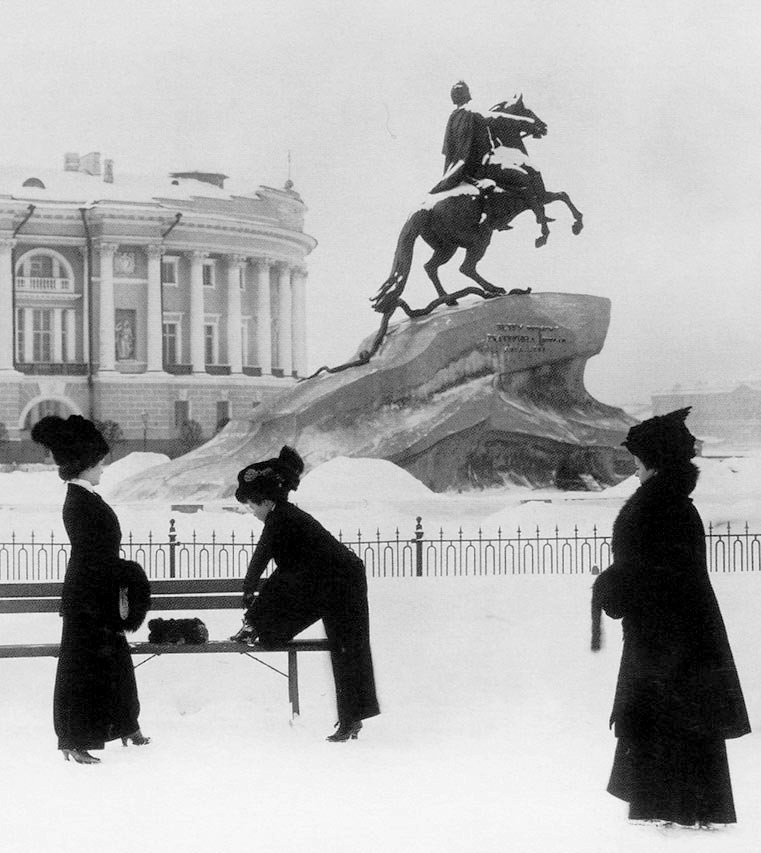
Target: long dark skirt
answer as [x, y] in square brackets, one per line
[682, 781]
[289, 603]
[95, 698]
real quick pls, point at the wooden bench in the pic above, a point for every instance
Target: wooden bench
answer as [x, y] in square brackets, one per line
[191, 595]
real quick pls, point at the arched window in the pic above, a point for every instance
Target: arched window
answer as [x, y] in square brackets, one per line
[33, 182]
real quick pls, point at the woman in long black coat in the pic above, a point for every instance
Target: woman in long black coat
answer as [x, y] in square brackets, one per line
[678, 696]
[316, 577]
[95, 696]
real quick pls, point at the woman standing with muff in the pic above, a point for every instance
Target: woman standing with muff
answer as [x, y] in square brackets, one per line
[95, 698]
[316, 577]
[678, 697]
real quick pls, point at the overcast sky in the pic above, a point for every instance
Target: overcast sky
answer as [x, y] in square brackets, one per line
[654, 114]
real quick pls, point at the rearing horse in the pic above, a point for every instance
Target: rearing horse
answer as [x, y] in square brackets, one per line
[466, 217]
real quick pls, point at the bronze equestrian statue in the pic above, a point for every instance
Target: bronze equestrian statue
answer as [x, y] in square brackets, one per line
[488, 181]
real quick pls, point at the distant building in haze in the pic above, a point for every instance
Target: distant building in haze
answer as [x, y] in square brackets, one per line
[731, 414]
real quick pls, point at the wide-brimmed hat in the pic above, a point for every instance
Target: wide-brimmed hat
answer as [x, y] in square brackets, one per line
[74, 442]
[662, 440]
[270, 479]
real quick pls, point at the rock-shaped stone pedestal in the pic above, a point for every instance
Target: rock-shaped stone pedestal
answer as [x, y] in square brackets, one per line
[484, 393]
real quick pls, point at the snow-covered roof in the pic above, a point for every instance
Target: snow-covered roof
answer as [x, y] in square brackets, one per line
[81, 187]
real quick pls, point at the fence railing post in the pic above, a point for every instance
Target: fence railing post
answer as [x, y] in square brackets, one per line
[172, 548]
[419, 546]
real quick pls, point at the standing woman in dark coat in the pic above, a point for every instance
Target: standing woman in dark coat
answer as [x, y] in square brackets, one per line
[678, 696]
[316, 577]
[95, 698]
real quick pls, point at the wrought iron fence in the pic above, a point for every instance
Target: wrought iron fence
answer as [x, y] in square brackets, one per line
[399, 556]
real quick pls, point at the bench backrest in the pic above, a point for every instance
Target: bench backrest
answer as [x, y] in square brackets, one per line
[176, 594]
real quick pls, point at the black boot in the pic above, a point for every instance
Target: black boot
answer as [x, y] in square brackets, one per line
[345, 731]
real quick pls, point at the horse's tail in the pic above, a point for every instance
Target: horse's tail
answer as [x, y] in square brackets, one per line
[391, 289]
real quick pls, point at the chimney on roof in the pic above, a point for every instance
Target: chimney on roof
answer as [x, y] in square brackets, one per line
[217, 179]
[108, 171]
[90, 163]
[71, 162]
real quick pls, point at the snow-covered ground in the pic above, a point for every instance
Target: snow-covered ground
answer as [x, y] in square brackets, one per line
[493, 735]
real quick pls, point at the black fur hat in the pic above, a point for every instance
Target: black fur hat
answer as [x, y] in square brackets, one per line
[75, 442]
[662, 441]
[271, 479]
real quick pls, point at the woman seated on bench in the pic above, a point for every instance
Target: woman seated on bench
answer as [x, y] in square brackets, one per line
[316, 577]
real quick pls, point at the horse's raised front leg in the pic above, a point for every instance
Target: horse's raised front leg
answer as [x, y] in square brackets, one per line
[578, 218]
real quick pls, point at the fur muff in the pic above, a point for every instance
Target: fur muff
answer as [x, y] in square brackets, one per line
[132, 577]
[178, 631]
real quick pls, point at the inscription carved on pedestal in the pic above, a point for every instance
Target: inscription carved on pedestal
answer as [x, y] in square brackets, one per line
[523, 338]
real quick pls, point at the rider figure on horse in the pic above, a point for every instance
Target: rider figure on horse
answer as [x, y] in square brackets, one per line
[469, 150]
[466, 142]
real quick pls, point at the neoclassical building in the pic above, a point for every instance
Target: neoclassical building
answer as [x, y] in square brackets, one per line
[147, 302]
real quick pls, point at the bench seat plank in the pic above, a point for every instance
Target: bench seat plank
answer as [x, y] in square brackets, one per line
[159, 602]
[36, 650]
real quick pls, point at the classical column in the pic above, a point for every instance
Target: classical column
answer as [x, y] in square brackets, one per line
[263, 315]
[285, 334]
[197, 343]
[86, 307]
[6, 304]
[154, 319]
[107, 314]
[299, 321]
[234, 314]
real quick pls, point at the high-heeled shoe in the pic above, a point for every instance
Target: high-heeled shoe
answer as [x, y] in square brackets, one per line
[345, 731]
[138, 738]
[245, 634]
[81, 756]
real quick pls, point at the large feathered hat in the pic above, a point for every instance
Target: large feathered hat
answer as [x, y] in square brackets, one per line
[270, 479]
[75, 442]
[662, 441]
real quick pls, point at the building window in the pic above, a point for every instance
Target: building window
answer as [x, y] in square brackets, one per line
[40, 267]
[209, 273]
[42, 335]
[181, 412]
[169, 270]
[20, 339]
[242, 277]
[171, 343]
[64, 336]
[211, 343]
[223, 413]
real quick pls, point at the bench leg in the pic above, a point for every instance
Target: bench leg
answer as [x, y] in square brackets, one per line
[293, 682]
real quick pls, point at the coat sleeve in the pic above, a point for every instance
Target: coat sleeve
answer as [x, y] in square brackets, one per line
[259, 561]
[612, 590]
[91, 585]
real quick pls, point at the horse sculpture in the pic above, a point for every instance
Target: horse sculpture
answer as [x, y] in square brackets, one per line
[467, 216]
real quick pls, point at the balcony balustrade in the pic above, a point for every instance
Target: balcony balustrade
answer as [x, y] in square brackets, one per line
[37, 284]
